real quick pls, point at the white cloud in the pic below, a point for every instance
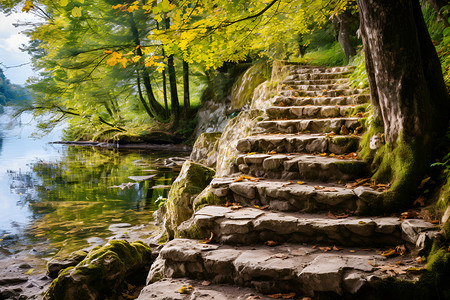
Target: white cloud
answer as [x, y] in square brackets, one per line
[11, 39]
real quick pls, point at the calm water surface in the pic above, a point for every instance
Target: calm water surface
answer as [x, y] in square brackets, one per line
[58, 196]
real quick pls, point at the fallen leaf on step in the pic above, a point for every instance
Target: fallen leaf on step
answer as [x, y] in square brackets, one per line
[329, 189]
[271, 243]
[282, 296]
[264, 207]
[253, 297]
[410, 214]
[207, 241]
[388, 253]
[344, 130]
[318, 187]
[322, 154]
[272, 152]
[206, 283]
[331, 134]
[359, 115]
[300, 182]
[352, 251]
[362, 223]
[435, 222]
[325, 249]
[336, 248]
[416, 270]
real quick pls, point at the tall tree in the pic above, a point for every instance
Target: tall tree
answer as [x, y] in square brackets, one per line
[407, 90]
[186, 97]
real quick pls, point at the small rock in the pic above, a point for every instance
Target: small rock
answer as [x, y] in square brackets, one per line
[24, 266]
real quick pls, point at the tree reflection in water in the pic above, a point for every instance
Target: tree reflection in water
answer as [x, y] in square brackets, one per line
[78, 196]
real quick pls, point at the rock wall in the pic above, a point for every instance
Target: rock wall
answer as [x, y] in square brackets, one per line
[191, 181]
[217, 110]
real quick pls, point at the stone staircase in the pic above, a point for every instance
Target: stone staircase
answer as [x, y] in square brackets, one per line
[300, 215]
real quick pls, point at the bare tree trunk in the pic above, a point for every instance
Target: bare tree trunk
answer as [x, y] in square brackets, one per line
[166, 106]
[186, 97]
[175, 104]
[407, 87]
[154, 105]
[341, 25]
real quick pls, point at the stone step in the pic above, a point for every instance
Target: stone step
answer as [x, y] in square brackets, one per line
[302, 269]
[314, 87]
[301, 167]
[304, 143]
[248, 226]
[302, 101]
[309, 112]
[298, 196]
[309, 125]
[322, 93]
[314, 69]
[317, 76]
[316, 82]
[170, 288]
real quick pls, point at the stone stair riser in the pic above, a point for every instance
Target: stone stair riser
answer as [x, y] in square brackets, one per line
[316, 82]
[309, 197]
[317, 87]
[316, 76]
[309, 126]
[313, 144]
[315, 70]
[303, 101]
[308, 112]
[253, 226]
[323, 93]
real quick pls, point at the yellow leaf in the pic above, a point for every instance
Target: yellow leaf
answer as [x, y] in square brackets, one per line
[117, 6]
[108, 51]
[63, 2]
[76, 12]
[30, 271]
[300, 182]
[28, 5]
[81, 1]
[136, 58]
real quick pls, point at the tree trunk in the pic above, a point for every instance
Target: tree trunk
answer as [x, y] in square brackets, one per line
[175, 105]
[164, 83]
[437, 5]
[154, 105]
[407, 87]
[341, 25]
[164, 80]
[186, 97]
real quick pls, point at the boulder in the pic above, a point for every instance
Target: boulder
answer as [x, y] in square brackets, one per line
[205, 149]
[191, 181]
[60, 262]
[102, 271]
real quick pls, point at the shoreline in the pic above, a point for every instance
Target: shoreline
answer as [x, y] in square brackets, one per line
[136, 146]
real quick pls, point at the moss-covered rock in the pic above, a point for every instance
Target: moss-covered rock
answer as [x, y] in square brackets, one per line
[61, 261]
[243, 88]
[191, 181]
[101, 272]
[208, 197]
[240, 127]
[205, 149]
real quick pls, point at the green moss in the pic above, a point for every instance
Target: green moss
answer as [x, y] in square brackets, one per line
[355, 168]
[207, 197]
[243, 88]
[349, 143]
[401, 164]
[101, 272]
[193, 232]
[376, 127]
[359, 109]
[191, 181]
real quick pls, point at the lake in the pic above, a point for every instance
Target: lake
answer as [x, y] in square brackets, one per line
[55, 197]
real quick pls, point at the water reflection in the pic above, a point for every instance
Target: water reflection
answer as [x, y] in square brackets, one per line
[78, 196]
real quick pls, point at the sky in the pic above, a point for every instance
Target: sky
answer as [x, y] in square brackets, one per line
[10, 41]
